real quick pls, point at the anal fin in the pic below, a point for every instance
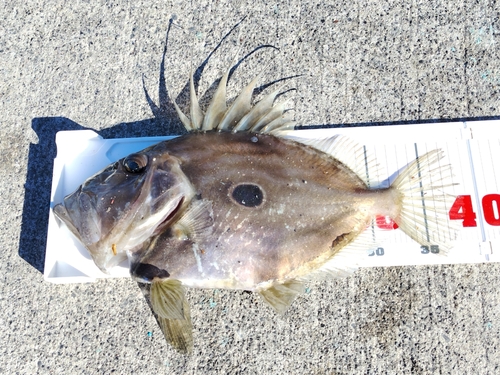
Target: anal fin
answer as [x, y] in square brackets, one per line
[353, 250]
[280, 295]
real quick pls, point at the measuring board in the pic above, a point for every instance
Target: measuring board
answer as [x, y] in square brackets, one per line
[472, 148]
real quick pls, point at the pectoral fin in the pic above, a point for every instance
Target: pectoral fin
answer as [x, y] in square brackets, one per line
[197, 222]
[169, 303]
[281, 295]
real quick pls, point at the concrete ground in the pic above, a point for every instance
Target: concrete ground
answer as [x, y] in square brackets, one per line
[73, 65]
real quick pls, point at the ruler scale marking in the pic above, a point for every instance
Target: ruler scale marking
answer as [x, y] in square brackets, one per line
[469, 148]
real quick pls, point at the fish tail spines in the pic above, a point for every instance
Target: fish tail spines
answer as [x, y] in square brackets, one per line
[424, 203]
[263, 117]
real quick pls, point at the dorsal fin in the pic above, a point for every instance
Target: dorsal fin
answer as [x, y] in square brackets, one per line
[217, 106]
[270, 116]
[240, 107]
[195, 111]
[281, 123]
[184, 119]
[264, 117]
[353, 155]
[259, 110]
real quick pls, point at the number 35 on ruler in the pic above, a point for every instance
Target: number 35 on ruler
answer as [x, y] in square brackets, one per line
[462, 210]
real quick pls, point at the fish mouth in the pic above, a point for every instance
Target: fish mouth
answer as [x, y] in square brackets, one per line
[167, 221]
[61, 212]
[145, 272]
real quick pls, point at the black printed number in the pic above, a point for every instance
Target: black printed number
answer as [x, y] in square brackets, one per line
[434, 249]
[379, 252]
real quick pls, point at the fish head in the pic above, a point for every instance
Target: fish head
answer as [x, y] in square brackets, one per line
[120, 208]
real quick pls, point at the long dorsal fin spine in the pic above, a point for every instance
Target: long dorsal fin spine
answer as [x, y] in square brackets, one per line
[241, 116]
[195, 111]
[184, 119]
[277, 123]
[273, 114]
[240, 107]
[257, 112]
[290, 125]
[217, 106]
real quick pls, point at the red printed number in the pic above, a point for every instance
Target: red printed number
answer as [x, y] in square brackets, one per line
[491, 202]
[462, 210]
[385, 222]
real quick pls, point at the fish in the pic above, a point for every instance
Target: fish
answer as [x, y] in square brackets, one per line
[244, 202]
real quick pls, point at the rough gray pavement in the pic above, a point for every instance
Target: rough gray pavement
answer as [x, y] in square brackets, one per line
[73, 65]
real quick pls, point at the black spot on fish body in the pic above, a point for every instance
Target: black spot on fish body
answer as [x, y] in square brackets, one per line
[248, 195]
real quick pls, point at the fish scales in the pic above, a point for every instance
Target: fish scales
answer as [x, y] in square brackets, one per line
[309, 200]
[241, 203]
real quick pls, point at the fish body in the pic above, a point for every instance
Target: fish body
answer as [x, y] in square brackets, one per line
[239, 203]
[275, 209]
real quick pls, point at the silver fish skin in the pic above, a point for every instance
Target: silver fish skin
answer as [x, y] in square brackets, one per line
[273, 209]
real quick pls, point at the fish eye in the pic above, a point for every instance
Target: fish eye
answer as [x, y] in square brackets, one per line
[248, 195]
[135, 163]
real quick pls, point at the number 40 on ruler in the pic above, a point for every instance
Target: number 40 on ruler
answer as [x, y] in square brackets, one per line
[462, 210]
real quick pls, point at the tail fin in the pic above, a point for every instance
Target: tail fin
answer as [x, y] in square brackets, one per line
[425, 204]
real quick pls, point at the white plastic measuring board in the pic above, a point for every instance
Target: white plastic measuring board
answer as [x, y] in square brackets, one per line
[472, 148]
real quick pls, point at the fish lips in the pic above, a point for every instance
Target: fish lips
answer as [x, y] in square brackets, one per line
[92, 218]
[62, 214]
[78, 212]
[89, 234]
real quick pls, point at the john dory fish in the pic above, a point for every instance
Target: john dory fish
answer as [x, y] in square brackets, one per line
[240, 203]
